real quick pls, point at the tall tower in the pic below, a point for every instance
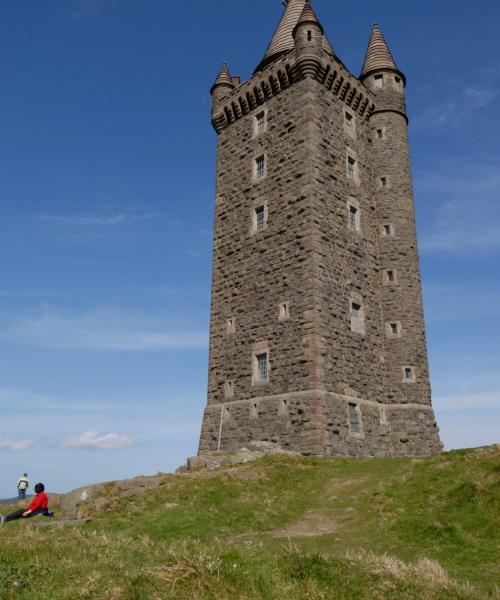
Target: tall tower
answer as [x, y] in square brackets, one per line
[317, 337]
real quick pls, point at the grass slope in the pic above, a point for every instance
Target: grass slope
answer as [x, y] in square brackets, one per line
[296, 527]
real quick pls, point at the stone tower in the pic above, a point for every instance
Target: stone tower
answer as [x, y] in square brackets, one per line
[317, 337]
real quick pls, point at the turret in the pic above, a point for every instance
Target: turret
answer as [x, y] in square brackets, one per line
[223, 86]
[382, 76]
[308, 40]
[283, 38]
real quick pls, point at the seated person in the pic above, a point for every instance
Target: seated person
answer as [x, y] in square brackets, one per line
[38, 506]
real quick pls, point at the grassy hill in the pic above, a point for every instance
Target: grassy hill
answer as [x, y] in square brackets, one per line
[283, 527]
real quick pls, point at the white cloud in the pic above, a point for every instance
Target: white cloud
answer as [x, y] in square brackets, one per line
[95, 220]
[466, 102]
[91, 440]
[469, 216]
[99, 330]
[483, 401]
[7, 443]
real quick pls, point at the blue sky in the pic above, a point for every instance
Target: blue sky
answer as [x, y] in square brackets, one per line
[107, 162]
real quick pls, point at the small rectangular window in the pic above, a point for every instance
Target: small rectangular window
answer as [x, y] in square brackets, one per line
[357, 318]
[354, 218]
[262, 374]
[231, 326]
[349, 123]
[283, 409]
[260, 218]
[229, 389]
[391, 278]
[383, 416]
[354, 420]
[254, 412]
[284, 311]
[409, 375]
[380, 134]
[397, 83]
[383, 182]
[260, 167]
[352, 168]
[379, 82]
[260, 123]
[394, 328]
[386, 230]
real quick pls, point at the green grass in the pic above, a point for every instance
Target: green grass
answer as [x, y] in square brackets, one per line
[403, 528]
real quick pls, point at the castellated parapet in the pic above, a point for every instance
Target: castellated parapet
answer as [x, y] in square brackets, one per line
[317, 337]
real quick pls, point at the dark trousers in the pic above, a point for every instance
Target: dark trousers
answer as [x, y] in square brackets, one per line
[17, 514]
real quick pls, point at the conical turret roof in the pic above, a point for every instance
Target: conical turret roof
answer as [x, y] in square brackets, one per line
[282, 40]
[378, 56]
[308, 16]
[223, 77]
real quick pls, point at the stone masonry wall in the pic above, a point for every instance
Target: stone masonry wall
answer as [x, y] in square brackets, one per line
[311, 258]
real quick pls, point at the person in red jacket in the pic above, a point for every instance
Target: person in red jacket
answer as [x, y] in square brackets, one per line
[38, 506]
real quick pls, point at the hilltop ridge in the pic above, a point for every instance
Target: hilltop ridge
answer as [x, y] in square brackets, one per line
[315, 527]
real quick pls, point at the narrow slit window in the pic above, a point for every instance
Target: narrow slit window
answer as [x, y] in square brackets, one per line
[394, 329]
[254, 412]
[357, 318]
[260, 218]
[284, 311]
[349, 122]
[391, 276]
[354, 421]
[231, 326]
[260, 123]
[262, 361]
[260, 167]
[354, 220]
[386, 230]
[383, 182]
[351, 167]
[283, 409]
[229, 389]
[383, 416]
[309, 36]
[380, 134]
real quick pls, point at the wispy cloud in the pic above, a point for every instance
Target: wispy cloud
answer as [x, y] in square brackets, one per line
[99, 330]
[465, 102]
[462, 302]
[91, 440]
[484, 401]
[469, 216]
[86, 9]
[95, 220]
[7, 443]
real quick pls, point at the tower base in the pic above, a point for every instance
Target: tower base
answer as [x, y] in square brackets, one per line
[321, 423]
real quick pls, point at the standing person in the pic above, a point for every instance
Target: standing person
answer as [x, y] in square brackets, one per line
[22, 486]
[38, 506]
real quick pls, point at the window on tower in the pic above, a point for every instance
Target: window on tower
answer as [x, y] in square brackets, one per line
[398, 83]
[260, 123]
[380, 134]
[357, 318]
[260, 167]
[408, 375]
[383, 182]
[262, 367]
[378, 82]
[284, 311]
[387, 230]
[259, 218]
[352, 169]
[354, 418]
[354, 216]
[349, 124]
